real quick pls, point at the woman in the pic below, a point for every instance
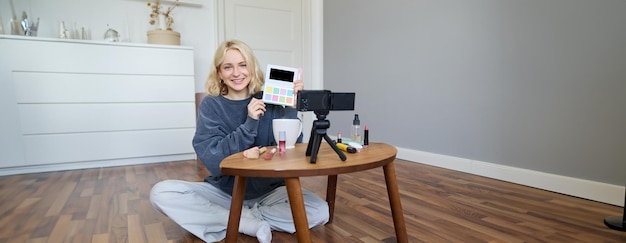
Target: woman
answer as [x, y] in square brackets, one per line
[230, 120]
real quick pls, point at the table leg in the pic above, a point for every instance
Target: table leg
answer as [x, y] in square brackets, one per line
[297, 209]
[331, 190]
[232, 230]
[394, 201]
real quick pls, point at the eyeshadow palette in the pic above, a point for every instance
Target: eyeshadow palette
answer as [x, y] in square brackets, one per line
[278, 87]
[278, 95]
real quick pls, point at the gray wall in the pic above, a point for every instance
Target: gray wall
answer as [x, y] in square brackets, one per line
[534, 84]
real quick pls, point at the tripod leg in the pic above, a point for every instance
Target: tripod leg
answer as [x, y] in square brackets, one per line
[342, 156]
[311, 141]
[316, 148]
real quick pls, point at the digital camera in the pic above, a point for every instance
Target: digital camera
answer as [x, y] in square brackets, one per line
[324, 100]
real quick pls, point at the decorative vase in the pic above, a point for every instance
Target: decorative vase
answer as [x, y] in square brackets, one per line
[164, 37]
[162, 21]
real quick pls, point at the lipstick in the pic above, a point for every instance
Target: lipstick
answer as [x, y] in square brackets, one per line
[366, 136]
[270, 154]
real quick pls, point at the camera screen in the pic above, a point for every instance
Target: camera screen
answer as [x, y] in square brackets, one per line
[343, 101]
[282, 75]
[320, 100]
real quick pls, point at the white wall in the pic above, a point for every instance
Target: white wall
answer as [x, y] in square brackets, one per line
[196, 22]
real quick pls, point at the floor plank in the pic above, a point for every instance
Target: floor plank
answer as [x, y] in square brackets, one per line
[111, 205]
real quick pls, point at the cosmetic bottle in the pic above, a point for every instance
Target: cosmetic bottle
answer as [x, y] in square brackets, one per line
[355, 136]
[339, 137]
[281, 142]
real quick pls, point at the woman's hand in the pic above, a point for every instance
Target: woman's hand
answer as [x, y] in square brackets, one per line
[256, 108]
[297, 86]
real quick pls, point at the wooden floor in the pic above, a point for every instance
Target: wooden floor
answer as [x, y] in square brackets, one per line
[111, 205]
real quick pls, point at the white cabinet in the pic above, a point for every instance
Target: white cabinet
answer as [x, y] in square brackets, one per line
[70, 104]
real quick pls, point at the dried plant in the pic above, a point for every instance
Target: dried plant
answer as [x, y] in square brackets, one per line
[167, 14]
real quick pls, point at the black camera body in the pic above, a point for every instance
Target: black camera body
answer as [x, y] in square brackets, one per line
[324, 100]
[321, 102]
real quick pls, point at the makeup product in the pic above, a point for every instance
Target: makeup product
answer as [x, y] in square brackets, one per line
[270, 154]
[366, 137]
[339, 137]
[251, 153]
[281, 142]
[355, 136]
[278, 86]
[346, 148]
[262, 150]
[357, 146]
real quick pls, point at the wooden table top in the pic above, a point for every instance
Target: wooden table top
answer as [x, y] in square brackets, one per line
[294, 163]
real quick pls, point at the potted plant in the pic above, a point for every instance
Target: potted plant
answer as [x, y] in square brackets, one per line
[163, 20]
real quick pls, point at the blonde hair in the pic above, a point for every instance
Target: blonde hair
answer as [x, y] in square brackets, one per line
[214, 85]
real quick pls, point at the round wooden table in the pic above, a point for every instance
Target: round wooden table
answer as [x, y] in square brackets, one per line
[294, 164]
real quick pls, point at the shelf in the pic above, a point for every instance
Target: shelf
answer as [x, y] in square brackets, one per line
[188, 3]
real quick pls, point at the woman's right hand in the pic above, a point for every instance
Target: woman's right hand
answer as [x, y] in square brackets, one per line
[256, 108]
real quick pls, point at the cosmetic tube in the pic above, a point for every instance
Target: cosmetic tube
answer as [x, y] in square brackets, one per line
[346, 148]
[366, 137]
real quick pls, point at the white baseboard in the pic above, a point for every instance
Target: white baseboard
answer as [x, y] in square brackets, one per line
[93, 164]
[592, 190]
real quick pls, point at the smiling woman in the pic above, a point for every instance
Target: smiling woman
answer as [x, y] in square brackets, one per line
[240, 55]
[231, 120]
[234, 74]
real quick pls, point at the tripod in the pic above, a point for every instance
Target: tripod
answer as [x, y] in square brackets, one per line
[317, 133]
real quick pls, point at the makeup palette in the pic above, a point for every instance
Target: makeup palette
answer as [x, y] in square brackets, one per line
[278, 95]
[278, 87]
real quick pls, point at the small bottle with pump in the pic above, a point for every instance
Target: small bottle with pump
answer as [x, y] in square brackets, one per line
[355, 135]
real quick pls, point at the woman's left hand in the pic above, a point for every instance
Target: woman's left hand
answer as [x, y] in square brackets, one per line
[297, 86]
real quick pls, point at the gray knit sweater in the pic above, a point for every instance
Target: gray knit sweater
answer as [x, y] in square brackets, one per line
[224, 128]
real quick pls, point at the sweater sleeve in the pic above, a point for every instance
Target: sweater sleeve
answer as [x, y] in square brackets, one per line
[221, 132]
